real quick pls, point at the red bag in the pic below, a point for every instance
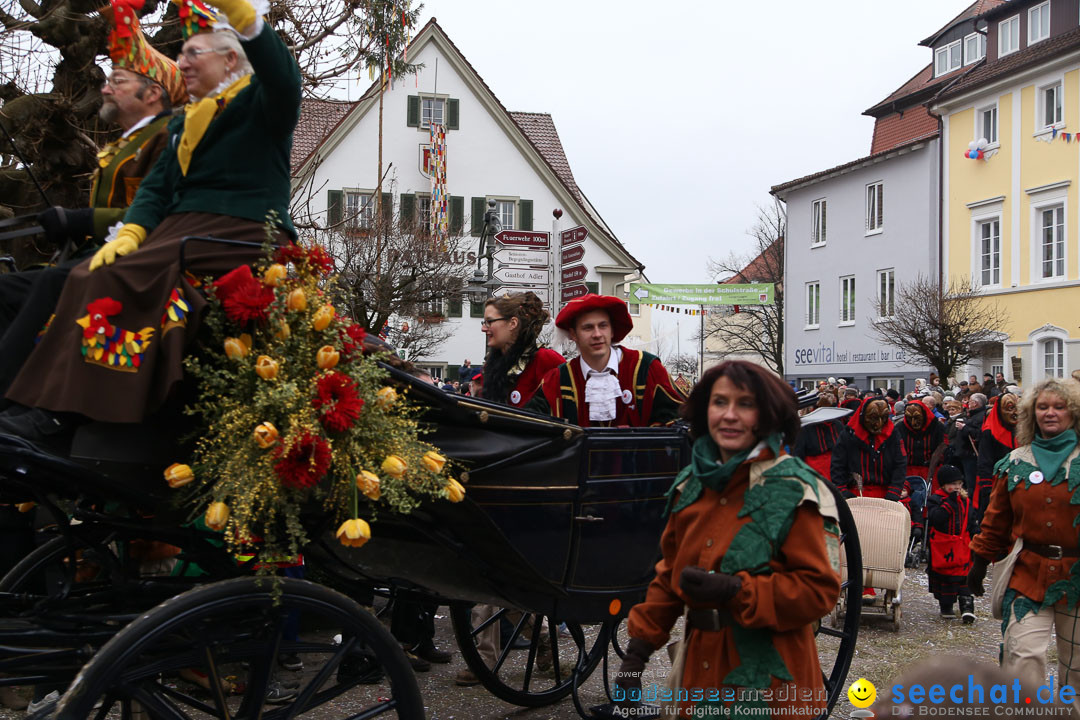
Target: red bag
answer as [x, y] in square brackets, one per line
[951, 554]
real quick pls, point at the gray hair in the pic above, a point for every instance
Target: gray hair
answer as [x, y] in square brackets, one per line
[225, 40]
[977, 399]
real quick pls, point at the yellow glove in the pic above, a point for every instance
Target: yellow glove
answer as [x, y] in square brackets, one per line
[241, 13]
[127, 241]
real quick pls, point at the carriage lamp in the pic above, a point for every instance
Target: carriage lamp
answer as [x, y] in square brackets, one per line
[482, 284]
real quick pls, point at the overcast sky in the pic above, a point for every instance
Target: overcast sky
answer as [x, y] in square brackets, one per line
[678, 118]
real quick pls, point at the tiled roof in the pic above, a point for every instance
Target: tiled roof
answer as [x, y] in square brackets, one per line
[1032, 55]
[972, 11]
[540, 129]
[760, 268]
[916, 90]
[841, 168]
[318, 118]
[901, 128]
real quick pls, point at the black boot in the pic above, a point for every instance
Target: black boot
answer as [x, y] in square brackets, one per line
[947, 609]
[967, 609]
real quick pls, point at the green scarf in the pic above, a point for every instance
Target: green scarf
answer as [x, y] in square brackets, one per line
[707, 471]
[1051, 453]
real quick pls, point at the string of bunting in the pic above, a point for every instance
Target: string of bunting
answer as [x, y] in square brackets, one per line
[682, 311]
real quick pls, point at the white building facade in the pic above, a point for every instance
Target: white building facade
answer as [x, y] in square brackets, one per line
[514, 159]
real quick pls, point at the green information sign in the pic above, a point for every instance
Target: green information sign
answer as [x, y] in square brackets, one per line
[707, 294]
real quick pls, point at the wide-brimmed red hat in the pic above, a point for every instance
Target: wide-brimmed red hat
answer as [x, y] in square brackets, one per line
[621, 324]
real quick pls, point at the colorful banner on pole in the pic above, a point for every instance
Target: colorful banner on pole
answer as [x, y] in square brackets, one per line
[440, 203]
[704, 294]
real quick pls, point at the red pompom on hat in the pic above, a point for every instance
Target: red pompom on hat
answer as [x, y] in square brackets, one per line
[621, 324]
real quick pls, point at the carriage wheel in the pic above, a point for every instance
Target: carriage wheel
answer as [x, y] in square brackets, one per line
[542, 673]
[232, 634]
[836, 644]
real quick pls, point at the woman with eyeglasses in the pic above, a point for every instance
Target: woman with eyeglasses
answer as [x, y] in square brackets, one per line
[516, 362]
[114, 348]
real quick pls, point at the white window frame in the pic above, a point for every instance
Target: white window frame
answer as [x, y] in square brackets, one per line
[502, 205]
[980, 48]
[430, 102]
[953, 56]
[1034, 33]
[1012, 27]
[888, 275]
[875, 212]
[847, 301]
[887, 383]
[358, 208]
[979, 223]
[1062, 261]
[980, 126]
[813, 305]
[1044, 345]
[819, 222]
[1043, 123]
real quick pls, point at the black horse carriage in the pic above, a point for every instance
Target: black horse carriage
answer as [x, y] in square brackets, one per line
[559, 533]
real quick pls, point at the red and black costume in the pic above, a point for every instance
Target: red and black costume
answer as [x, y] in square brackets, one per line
[995, 442]
[543, 361]
[878, 458]
[815, 443]
[920, 444]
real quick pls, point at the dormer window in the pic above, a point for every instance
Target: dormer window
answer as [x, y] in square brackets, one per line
[947, 58]
[974, 48]
[1039, 23]
[1009, 35]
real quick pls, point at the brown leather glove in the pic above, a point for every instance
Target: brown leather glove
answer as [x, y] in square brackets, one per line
[976, 575]
[708, 588]
[629, 675]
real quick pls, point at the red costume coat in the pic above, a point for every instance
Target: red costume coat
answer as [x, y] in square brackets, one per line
[543, 361]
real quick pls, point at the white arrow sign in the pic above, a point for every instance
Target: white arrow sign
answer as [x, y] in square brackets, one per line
[522, 275]
[641, 293]
[541, 292]
[515, 256]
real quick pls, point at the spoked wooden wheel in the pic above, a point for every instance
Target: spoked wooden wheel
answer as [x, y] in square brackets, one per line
[540, 672]
[234, 636]
[836, 638]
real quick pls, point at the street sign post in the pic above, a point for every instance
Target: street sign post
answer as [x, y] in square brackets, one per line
[573, 254]
[574, 235]
[574, 273]
[522, 275]
[524, 238]
[541, 292]
[518, 256]
[569, 292]
[702, 294]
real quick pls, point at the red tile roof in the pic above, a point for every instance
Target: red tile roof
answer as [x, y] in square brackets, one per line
[918, 89]
[318, 118]
[761, 267]
[902, 128]
[972, 11]
[540, 129]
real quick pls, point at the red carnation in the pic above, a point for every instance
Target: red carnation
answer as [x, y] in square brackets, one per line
[317, 258]
[243, 296]
[338, 400]
[305, 463]
[352, 338]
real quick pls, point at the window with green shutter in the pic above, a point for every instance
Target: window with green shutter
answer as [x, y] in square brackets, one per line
[452, 112]
[333, 207]
[457, 214]
[478, 206]
[408, 209]
[387, 207]
[412, 115]
[593, 287]
[476, 309]
[454, 304]
[525, 215]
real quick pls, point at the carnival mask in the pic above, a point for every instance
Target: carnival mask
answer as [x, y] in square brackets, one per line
[914, 416]
[874, 416]
[1008, 410]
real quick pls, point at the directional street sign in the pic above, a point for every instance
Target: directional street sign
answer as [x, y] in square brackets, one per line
[541, 292]
[524, 238]
[703, 294]
[517, 256]
[522, 275]
[574, 235]
[574, 273]
[573, 254]
[569, 292]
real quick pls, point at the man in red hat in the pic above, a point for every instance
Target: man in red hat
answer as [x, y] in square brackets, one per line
[606, 385]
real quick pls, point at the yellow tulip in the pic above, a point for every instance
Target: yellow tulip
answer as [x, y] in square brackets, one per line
[266, 367]
[354, 533]
[327, 357]
[433, 461]
[178, 475]
[297, 300]
[235, 349]
[266, 435]
[246, 339]
[455, 491]
[323, 316]
[217, 515]
[386, 397]
[274, 275]
[368, 483]
[394, 466]
[282, 332]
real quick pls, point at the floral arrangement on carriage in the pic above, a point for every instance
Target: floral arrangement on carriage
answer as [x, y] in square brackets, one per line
[293, 413]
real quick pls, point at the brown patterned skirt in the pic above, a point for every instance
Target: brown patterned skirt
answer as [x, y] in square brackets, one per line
[114, 349]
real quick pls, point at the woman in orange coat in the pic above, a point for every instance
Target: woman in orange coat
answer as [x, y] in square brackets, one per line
[752, 584]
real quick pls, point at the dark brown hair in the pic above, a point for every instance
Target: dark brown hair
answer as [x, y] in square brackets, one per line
[531, 315]
[775, 400]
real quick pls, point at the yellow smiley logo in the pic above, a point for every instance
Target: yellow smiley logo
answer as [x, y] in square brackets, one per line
[862, 693]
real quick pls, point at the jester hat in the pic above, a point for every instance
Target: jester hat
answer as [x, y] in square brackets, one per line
[196, 17]
[130, 50]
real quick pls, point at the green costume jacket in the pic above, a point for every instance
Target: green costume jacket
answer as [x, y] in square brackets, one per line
[123, 165]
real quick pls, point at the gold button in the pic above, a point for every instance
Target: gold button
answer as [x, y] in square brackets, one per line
[705, 664]
[723, 501]
[708, 543]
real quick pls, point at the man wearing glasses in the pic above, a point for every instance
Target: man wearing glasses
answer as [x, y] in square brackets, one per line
[606, 385]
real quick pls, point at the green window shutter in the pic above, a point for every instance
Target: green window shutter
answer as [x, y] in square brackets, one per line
[388, 207]
[455, 306]
[593, 287]
[408, 208]
[478, 206]
[525, 212]
[476, 309]
[334, 202]
[412, 116]
[452, 113]
[457, 214]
